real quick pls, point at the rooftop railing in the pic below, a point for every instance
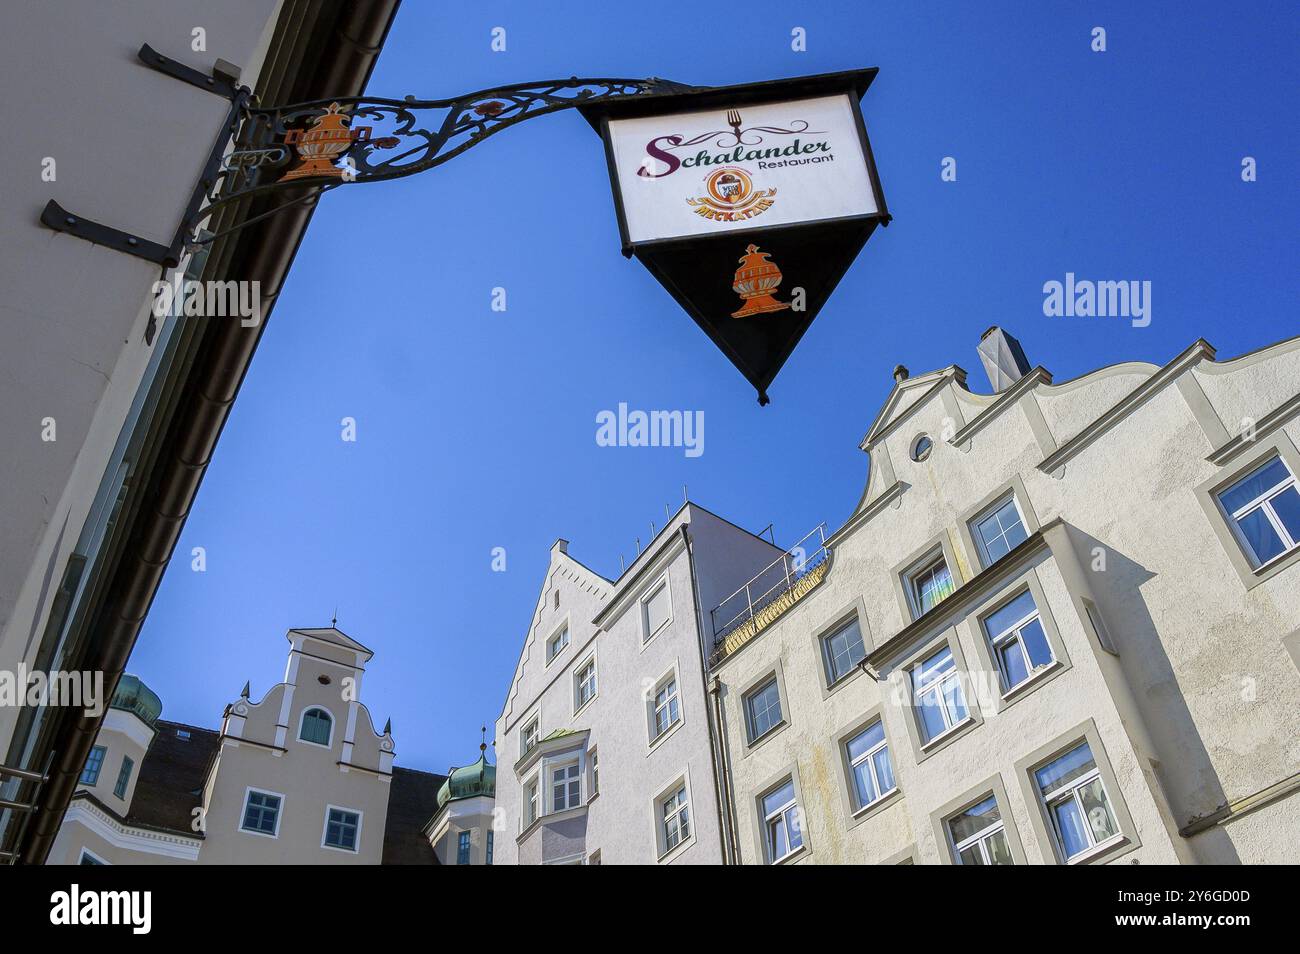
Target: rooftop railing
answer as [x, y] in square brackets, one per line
[768, 594]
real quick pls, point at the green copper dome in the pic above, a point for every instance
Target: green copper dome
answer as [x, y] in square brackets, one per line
[133, 695]
[470, 781]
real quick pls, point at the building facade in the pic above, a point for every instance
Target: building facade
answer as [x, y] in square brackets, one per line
[111, 406]
[605, 735]
[300, 776]
[1062, 625]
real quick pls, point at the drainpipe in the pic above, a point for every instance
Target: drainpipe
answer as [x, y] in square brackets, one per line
[717, 742]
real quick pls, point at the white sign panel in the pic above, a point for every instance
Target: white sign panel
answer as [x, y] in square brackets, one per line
[724, 170]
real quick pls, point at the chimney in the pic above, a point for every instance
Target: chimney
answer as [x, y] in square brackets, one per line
[1003, 358]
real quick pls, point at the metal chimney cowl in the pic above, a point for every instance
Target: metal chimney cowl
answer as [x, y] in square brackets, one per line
[1003, 358]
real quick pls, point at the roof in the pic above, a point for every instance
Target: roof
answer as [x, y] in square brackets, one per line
[132, 695]
[469, 781]
[412, 801]
[171, 779]
[334, 637]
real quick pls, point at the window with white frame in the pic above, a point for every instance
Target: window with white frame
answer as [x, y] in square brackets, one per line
[763, 709]
[94, 765]
[940, 702]
[675, 818]
[843, 649]
[555, 645]
[316, 727]
[869, 765]
[667, 709]
[929, 586]
[1075, 797]
[341, 829]
[656, 609]
[88, 859]
[593, 761]
[566, 787]
[999, 530]
[528, 737]
[584, 684]
[1017, 641]
[782, 822]
[531, 807]
[1264, 510]
[979, 836]
[261, 813]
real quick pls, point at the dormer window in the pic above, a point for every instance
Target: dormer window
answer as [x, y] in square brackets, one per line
[317, 725]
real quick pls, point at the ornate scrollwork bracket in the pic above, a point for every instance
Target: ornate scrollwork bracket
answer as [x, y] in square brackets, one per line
[270, 158]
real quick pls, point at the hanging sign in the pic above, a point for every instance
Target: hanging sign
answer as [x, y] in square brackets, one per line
[748, 203]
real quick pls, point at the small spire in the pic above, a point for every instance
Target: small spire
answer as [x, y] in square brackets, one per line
[334, 620]
[244, 693]
[388, 727]
[482, 745]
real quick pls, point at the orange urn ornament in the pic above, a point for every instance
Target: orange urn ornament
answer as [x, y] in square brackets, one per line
[320, 146]
[756, 280]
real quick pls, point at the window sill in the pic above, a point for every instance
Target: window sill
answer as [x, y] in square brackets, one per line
[582, 707]
[1035, 679]
[671, 855]
[772, 732]
[947, 734]
[884, 801]
[1274, 562]
[1098, 851]
[665, 736]
[790, 856]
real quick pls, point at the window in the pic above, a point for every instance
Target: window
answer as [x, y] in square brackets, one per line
[123, 777]
[873, 776]
[261, 813]
[528, 738]
[462, 848]
[595, 773]
[94, 763]
[1264, 510]
[1099, 627]
[565, 788]
[657, 609]
[921, 447]
[763, 709]
[530, 803]
[584, 689]
[940, 702]
[316, 727]
[843, 650]
[341, 828]
[782, 827]
[594, 857]
[183, 734]
[557, 599]
[1016, 638]
[999, 531]
[1076, 801]
[557, 643]
[978, 835]
[488, 858]
[676, 814]
[667, 712]
[88, 859]
[930, 586]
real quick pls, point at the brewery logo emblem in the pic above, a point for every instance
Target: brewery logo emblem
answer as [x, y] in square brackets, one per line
[328, 138]
[730, 196]
[755, 282]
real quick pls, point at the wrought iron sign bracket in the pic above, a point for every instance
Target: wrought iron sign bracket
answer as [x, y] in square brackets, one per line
[222, 82]
[299, 151]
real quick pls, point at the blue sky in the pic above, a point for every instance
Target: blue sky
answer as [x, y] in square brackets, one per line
[476, 428]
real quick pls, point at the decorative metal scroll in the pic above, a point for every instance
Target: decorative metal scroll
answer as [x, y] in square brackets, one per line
[330, 142]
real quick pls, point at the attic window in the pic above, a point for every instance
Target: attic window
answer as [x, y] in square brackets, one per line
[921, 447]
[323, 680]
[557, 597]
[183, 734]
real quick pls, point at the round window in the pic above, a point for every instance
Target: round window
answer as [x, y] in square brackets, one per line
[921, 447]
[323, 680]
